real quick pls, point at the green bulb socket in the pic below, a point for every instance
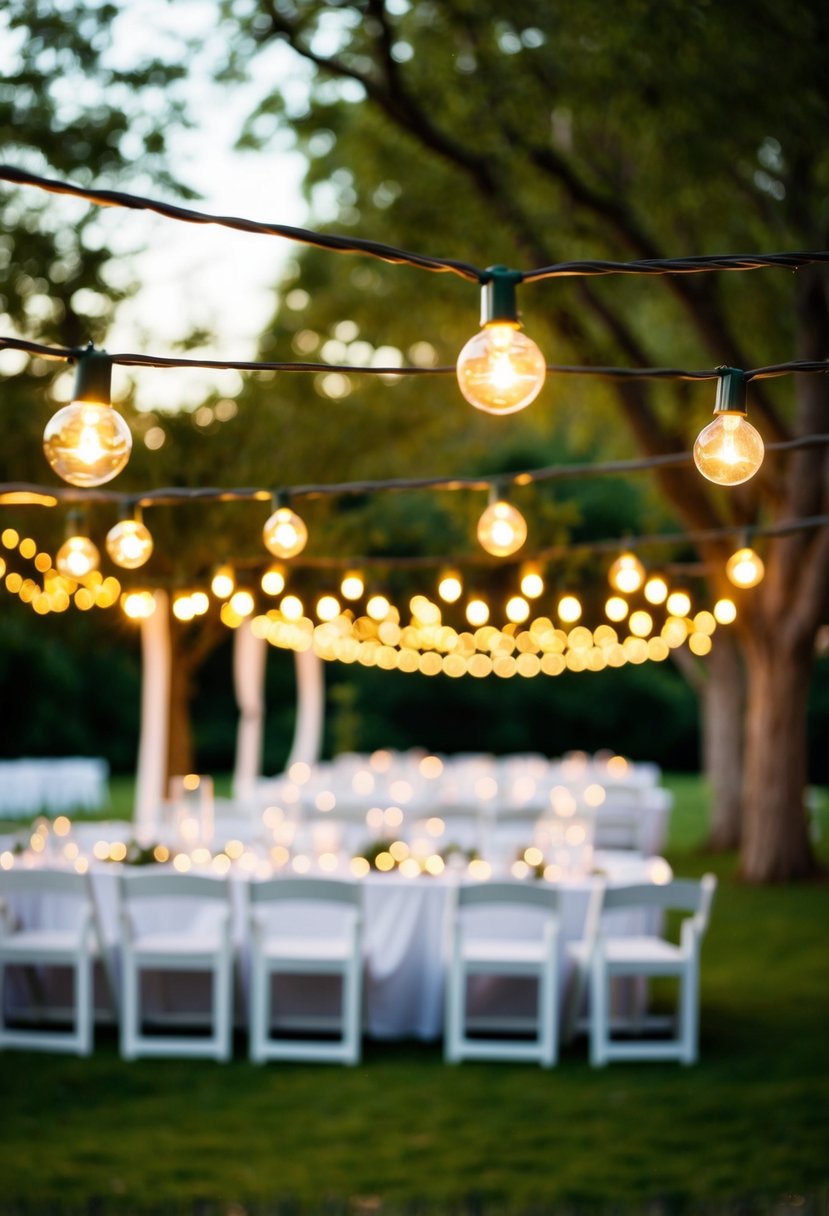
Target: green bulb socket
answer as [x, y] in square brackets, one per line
[731, 391]
[498, 302]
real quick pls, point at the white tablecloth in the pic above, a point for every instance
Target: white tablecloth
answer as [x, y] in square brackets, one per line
[404, 943]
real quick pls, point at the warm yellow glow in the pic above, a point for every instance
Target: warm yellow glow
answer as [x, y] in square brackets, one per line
[517, 609]
[477, 612]
[569, 609]
[678, 603]
[729, 450]
[502, 529]
[87, 443]
[273, 580]
[284, 533]
[704, 622]
[656, 590]
[378, 607]
[532, 583]
[129, 544]
[745, 569]
[725, 611]
[242, 603]
[183, 608]
[640, 623]
[616, 609]
[699, 643]
[138, 605]
[223, 583]
[359, 867]
[200, 602]
[450, 587]
[501, 370]
[10, 538]
[626, 574]
[328, 607]
[291, 607]
[77, 557]
[352, 586]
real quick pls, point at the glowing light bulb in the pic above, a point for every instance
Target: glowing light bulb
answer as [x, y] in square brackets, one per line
[273, 580]
[656, 590]
[291, 607]
[569, 609]
[729, 450]
[328, 607]
[378, 607]
[725, 611]
[616, 609]
[242, 603]
[87, 442]
[223, 583]
[182, 608]
[77, 557]
[352, 586]
[477, 612]
[517, 609]
[679, 603]
[500, 370]
[745, 569]
[284, 533]
[138, 605]
[532, 583]
[640, 623]
[626, 574]
[450, 587]
[129, 544]
[502, 529]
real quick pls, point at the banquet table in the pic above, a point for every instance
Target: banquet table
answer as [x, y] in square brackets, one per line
[404, 942]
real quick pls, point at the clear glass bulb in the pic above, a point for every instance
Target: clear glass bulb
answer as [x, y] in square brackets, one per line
[502, 529]
[744, 568]
[501, 370]
[129, 544]
[626, 574]
[729, 450]
[284, 533]
[87, 443]
[450, 587]
[77, 557]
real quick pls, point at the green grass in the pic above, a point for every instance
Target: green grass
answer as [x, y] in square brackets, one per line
[745, 1127]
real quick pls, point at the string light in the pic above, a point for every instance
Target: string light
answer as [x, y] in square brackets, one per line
[477, 612]
[223, 583]
[626, 574]
[87, 442]
[616, 608]
[569, 609]
[129, 544]
[656, 589]
[729, 450]
[745, 569]
[532, 582]
[678, 603]
[78, 556]
[328, 607]
[502, 528]
[725, 611]
[273, 580]
[450, 586]
[352, 585]
[500, 370]
[284, 533]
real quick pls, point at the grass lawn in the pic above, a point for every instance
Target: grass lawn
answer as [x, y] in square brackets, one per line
[746, 1130]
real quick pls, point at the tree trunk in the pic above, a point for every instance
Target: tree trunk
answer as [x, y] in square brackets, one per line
[775, 841]
[722, 741]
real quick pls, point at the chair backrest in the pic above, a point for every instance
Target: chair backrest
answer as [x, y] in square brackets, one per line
[44, 882]
[525, 895]
[326, 890]
[169, 884]
[681, 895]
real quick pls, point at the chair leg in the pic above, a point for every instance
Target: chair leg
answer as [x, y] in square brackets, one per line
[221, 1008]
[83, 1005]
[351, 1014]
[259, 1006]
[548, 1015]
[599, 1014]
[689, 1014]
[455, 1014]
[130, 1015]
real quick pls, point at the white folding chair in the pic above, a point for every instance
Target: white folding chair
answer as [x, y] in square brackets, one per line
[484, 943]
[646, 954]
[47, 919]
[305, 927]
[175, 922]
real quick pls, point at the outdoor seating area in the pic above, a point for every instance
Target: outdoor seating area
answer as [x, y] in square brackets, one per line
[336, 880]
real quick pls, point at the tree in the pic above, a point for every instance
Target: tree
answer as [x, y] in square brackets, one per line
[562, 134]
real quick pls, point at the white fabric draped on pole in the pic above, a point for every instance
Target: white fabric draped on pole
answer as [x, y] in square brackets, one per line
[249, 657]
[310, 708]
[151, 777]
